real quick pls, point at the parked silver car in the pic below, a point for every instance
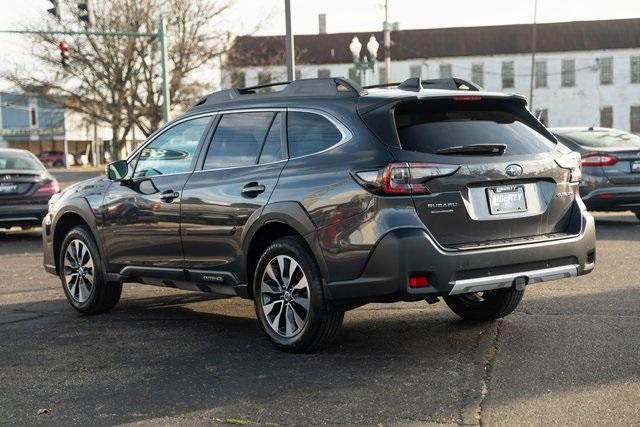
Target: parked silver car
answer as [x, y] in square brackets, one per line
[610, 167]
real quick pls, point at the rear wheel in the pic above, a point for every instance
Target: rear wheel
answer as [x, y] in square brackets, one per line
[288, 298]
[82, 276]
[487, 305]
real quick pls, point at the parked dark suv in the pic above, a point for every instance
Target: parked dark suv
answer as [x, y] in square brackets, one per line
[325, 196]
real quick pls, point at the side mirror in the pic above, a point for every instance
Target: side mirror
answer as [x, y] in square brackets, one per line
[118, 170]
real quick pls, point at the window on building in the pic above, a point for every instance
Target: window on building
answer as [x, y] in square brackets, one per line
[606, 117]
[264, 78]
[606, 70]
[237, 139]
[477, 74]
[541, 74]
[635, 119]
[382, 74]
[568, 72]
[635, 69]
[508, 77]
[542, 114]
[415, 71]
[310, 133]
[33, 115]
[324, 73]
[445, 71]
[237, 79]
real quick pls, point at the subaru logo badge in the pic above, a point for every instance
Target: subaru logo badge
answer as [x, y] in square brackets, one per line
[513, 170]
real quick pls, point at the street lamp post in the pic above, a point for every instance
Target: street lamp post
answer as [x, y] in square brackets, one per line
[364, 64]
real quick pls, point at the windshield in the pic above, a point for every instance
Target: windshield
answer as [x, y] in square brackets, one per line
[19, 161]
[605, 139]
[437, 126]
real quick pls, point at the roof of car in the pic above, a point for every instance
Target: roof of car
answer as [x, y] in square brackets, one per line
[570, 129]
[14, 150]
[310, 90]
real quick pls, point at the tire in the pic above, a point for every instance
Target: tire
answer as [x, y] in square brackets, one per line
[279, 287]
[84, 282]
[484, 306]
[58, 163]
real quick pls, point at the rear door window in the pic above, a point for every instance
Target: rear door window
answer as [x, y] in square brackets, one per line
[431, 126]
[309, 133]
[237, 139]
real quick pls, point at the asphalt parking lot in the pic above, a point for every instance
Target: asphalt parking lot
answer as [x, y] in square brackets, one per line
[569, 355]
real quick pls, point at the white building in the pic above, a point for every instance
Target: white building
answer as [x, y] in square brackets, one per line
[587, 73]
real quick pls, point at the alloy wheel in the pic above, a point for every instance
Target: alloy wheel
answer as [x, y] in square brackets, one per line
[285, 296]
[78, 271]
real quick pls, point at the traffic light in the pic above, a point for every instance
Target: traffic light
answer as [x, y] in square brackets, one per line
[64, 54]
[83, 14]
[55, 11]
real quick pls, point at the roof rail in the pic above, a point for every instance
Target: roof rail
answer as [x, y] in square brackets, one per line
[334, 86]
[415, 84]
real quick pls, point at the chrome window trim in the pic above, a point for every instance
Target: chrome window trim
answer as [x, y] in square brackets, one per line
[345, 133]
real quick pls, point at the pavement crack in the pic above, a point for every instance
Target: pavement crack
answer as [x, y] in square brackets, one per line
[490, 357]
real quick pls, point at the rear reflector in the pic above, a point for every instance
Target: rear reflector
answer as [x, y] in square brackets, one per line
[604, 196]
[418, 282]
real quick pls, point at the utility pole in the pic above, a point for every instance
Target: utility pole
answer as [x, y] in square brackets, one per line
[387, 44]
[162, 30]
[291, 66]
[534, 35]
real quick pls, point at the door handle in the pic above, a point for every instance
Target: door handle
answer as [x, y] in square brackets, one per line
[252, 189]
[169, 195]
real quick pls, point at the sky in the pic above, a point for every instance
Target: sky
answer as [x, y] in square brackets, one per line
[264, 17]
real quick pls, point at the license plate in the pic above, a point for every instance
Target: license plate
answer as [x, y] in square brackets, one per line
[635, 166]
[8, 188]
[506, 199]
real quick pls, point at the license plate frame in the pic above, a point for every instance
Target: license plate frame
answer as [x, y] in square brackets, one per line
[506, 199]
[8, 188]
[635, 166]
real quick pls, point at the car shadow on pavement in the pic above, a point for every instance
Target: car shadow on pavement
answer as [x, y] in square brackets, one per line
[171, 356]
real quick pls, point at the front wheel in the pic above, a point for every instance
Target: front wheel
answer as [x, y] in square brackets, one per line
[487, 305]
[82, 276]
[287, 289]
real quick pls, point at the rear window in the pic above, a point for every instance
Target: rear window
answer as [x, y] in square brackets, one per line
[604, 139]
[18, 161]
[431, 126]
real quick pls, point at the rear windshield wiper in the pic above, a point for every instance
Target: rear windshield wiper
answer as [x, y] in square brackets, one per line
[475, 149]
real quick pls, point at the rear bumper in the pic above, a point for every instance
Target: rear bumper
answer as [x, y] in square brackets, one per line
[22, 215]
[406, 252]
[613, 198]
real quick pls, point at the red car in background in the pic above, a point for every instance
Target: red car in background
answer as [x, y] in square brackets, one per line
[55, 158]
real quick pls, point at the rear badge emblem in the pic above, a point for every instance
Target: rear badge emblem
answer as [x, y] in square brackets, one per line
[513, 170]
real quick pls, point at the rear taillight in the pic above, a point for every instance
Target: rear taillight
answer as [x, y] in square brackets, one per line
[572, 162]
[48, 188]
[404, 178]
[599, 159]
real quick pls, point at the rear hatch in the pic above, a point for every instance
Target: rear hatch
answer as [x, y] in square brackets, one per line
[616, 152]
[506, 184]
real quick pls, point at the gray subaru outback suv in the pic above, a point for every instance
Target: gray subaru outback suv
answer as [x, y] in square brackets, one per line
[323, 196]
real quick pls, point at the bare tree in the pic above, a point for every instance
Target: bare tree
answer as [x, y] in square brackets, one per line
[116, 79]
